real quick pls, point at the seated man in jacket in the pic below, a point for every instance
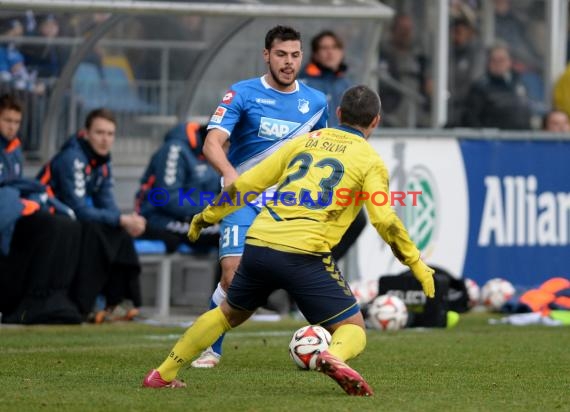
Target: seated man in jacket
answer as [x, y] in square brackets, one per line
[80, 176]
[175, 187]
[38, 257]
[498, 99]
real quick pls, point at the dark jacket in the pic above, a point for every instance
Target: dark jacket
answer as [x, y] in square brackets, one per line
[497, 102]
[11, 159]
[10, 211]
[19, 196]
[82, 180]
[177, 165]
[332, 84]
[11, 163]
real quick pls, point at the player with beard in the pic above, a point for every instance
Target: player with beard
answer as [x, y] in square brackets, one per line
[257, 116]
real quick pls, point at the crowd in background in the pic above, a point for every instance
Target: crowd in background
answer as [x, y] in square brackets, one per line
[496, 86]
[497, 81]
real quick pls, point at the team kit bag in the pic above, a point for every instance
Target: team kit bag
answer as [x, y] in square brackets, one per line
[450, 295]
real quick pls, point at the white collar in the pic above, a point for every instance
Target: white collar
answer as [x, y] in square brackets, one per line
[267, 86]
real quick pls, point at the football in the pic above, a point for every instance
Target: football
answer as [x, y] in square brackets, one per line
[387, 312]
[496, 293]
[364, 290]
[306, 345]
[473, 292]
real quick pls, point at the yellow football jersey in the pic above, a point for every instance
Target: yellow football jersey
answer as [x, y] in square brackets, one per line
[318, 178]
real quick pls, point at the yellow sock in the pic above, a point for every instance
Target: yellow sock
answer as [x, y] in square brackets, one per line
[197, 337]
[347, 342]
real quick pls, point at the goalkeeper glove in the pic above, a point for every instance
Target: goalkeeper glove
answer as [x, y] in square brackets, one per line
[198, 223]
[424, 274]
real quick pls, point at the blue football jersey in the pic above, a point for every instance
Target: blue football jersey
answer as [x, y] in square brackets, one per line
[259, 119]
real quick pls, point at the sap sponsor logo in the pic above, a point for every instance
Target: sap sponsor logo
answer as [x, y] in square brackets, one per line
[218, 115]
[275, 129]
[228, 97]
[410, 297]
[265, 101]
[514, 214]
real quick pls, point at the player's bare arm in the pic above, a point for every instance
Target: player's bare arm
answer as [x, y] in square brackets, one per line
[216, 155]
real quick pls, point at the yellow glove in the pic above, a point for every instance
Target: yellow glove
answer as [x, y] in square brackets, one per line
[424, 274]
[198, 223]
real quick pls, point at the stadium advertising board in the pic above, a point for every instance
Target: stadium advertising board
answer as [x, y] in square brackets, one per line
[519, 204]
[489, 208]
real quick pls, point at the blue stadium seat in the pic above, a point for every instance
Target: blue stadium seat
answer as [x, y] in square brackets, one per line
[146, 247]
[88, 86]
[185, 249]
[122, 93]
[110, 88]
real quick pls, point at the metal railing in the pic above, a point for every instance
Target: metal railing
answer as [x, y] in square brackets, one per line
[143, 115]
[157, 100]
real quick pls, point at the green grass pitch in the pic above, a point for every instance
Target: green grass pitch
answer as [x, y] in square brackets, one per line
[473, 367]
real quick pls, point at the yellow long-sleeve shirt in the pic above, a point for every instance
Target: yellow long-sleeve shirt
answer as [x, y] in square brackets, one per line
[321, 174]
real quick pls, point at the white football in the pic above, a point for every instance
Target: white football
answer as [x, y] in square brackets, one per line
[387, 312]
[364, 290]
[473, 292]
[496, 293]
[306, 345]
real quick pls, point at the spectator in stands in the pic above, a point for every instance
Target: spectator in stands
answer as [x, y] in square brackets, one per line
[12, 66]
[177, 166]
[556, 121]
[38, 253]
[327, 70]
[524, 37]
[466, 64]
[498, 99]
[46, 59]
[463, 9]
[512, 29]
[80, 176]
[407, 64]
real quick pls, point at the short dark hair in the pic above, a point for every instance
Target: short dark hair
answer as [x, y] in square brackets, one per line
[283, 33]
[359, 106]
[316, 41]
[10, 102]
[461, 21]
[547, 116]
[100, 113]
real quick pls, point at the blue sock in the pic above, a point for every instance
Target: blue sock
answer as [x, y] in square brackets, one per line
[217, 345]
[217, 297]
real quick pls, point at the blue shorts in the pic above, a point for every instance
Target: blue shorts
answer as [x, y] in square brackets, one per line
[233, 229]
[315, 283]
